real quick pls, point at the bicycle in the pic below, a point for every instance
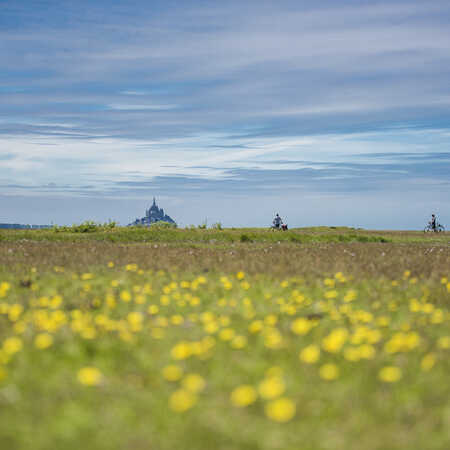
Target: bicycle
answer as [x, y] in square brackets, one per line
[437, 229]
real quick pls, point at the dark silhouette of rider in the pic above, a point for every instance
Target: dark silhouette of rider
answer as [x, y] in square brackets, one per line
[433, 222]
[277, 222]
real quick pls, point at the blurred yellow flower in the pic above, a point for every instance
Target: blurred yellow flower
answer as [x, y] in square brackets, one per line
[181, 351]
[43, 341]
[444, 342]
[182, 400]
[125, 296]
[301, 326]
[193, 382]
[331, 294]
[12, 345]
[310, 354]
[329, 371]
[226, 334]
[280, 410]
[172, 372]
[390, 374]
[428, 362]
[335, 340]
[243, 396]
[89, 376]
[238, 342]
[271, 387]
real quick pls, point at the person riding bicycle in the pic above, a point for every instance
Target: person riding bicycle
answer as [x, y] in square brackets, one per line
[277, 222]
[433, 222]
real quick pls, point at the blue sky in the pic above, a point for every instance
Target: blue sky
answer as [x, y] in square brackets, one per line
[329, 113]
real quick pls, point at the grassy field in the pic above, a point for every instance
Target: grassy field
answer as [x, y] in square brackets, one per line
[324, 338]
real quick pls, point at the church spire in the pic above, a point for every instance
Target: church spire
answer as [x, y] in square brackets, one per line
[154, 201]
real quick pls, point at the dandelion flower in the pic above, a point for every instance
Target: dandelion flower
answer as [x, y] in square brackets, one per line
[280, 410]
[301, 326]
[193, 383]
[271, 387]
[12, 345]
[43, 341]
[310, 354]
[182, 400]
[243, 396]
[181, 351]
[428, 362]
[444, 342]
[89, 376]
[329, 372]
[172, 372]
[390, 374]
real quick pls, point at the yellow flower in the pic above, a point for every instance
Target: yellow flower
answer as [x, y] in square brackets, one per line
[177, 319]
[193, 383]
[350, 296]
[89, 376]
[172, 372]
[331, 294]
[87, 276]
[335, 340]
[181, 351]
[329, 372]
[273, 338]
[271, 387]
[153, 309]
[444, 342]
[226, 334]
[271, 319]
[240, 275]
[428, 361]
[182, 400]
[310, 354]
[243, 396]
[125, 296]
[238, 342]
[280, 410]
[367, 351]
[12, 345]
[43, 340]
[301, 326]
[110, 264]
[256, 326]
[390, 374]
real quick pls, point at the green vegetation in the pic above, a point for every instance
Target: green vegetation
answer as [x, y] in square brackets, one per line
[164, 232]
[200, 339]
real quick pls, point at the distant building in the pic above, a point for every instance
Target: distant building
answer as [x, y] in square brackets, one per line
[153, 215]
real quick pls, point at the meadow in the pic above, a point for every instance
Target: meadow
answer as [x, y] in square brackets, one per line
[324, 338]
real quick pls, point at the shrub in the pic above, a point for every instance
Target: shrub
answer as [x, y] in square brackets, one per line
[163, 225]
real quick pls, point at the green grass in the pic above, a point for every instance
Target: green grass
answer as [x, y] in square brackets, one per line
[105, 233]
[242, 312]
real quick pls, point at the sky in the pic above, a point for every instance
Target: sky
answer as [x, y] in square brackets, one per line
[328, 113]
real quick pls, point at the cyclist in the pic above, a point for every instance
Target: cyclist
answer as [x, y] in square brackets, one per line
[277, 222]
[433, 222]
